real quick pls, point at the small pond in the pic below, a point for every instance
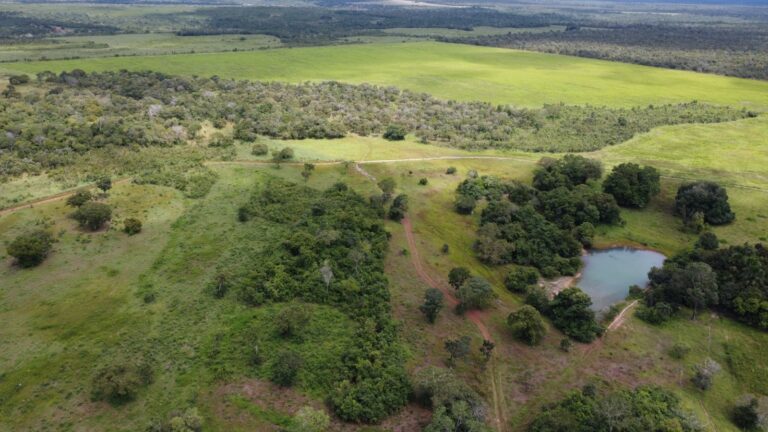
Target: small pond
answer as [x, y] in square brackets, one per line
[608, 273]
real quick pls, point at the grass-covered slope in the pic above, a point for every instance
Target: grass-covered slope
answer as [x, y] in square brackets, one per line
[451, 71]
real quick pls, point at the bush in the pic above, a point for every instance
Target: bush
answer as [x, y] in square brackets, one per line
[465, 204]
[704, 373]
[631, 185]
[520, 278]
[423, 181]
[536, 296]
[221, 140]
[291, 320]
[308, 419]
[708, 198]
[259, 149]
[679, 351]
[451, 170]
[31, 248]
[79, 198]
[395, 133]
[475, 293]
[565, 345]
[747, 414]
[286, 368]
[18, 79]
[527, 325]
[284, 154]
[132, 226]
[708, 241]
[657, 314]
[188, 421]
[457, 276]
[104, 183]
[119, 383]
[570, 171]
[92, 215]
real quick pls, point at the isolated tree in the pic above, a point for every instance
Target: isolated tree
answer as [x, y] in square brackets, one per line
[746, 414]
[399, 207]
[92, 215]
[632, 185]
[475, 293]
[486, 349]
[285, 368]
[520, 278]
[259, 149]
[307, 171]
[708, 198]
[704, 373]
[395, 133]
[132, 226]
[79, 198]
[423, 181]
[457, 349]
[457, 276]
[119, 382]
[571, 313]
[31, 248]
[104, 183]
[527, 325]
[387, 185]
[433, 302]
[291, 320]
[282, 155]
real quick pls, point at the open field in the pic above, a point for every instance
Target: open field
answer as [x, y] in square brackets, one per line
[130, 45]
[452, 71]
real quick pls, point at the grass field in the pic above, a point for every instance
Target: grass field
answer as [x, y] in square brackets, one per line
[451, 71]
[131, 44]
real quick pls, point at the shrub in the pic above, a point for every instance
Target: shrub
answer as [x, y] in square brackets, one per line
[572, 170]
[708, 241]
[79, 198]
[704, 373]
[679, 351]
[118, 383]
[92, 215]
[536, 296]
[527, 325]
[565, 345]
[221, 140]
[132, 226]
[631, 185]
[457, 276]
[308, 419]
[188, 421]
[465, 204]
[659, 313]
[451, 170]
[259, 149]
[286, 368]
[747, 414]
[31, 248]
[395, 133]
[104, 183]
[475, 293]
[519, 278]
[18, 79]
[707, 198]
[291, 320]
[423, 181]
[284, 154]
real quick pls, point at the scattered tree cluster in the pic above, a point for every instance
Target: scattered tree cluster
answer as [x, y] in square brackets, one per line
[327, 248]
[68, 115]
[643, 409]
[455, 406]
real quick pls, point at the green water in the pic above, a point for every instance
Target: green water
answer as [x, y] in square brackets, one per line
[608, 273]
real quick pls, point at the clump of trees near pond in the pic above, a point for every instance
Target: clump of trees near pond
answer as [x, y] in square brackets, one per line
[62, 117]
[327, 248]
[544, 226]
[733, 280]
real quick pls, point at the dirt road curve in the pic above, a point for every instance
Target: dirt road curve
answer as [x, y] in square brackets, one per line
[51, 198]
[474, 315]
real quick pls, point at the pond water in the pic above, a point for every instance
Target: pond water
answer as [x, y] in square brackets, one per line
[608, 273]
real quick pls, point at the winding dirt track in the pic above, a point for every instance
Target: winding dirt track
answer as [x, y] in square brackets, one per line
[52, 198]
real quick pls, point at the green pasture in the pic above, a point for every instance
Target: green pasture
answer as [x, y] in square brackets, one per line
[452, 71]
[131, 45]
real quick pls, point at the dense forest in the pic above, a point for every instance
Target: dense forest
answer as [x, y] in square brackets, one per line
[53, 120]
[14, 25]
[737, 50]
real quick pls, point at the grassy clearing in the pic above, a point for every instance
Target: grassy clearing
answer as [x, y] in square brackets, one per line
[131, 45]
[452, 71]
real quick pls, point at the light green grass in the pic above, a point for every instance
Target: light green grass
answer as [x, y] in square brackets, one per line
[130, 45]
[451, 71]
